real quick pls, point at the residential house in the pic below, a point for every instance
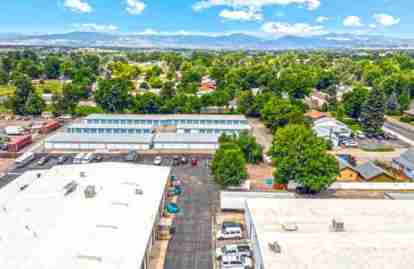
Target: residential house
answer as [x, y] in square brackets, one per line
[332, 130]
[405, 163]
[315, 115]
[373, 173]
[347, 172]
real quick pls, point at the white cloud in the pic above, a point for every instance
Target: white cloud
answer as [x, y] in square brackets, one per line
[93, 27]
[254, 4]
[372, 26]
[135, 7]
[385, 19]
[78, 6]
[321, 19]
[280, 29]
[352, 21]
[241, 15]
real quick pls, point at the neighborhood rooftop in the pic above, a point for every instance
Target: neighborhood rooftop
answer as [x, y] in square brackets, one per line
[369, 170]
[167, 116]
[377, 233]
[47, 222]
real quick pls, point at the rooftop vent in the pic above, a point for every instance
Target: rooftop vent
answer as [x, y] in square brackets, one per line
[275, 247]
[139, 192]
[120, 204]
[70, 187]
[290, 227]
[90, 191]
[338, 225]
[114, 227]
[90, 258]
[82, 174]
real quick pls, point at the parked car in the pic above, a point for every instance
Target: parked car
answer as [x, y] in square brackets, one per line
[62, 159]
[158, 160]
[132, 156]
[236, 262]
[360, 135]
[44, 160]
[97, 158]
[229, 224]
[230, 233]
[184, 160]
[350, 143]
[176, 161]
[194, 162]
[234, 249]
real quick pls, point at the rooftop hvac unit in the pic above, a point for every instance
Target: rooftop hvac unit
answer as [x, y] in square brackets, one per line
[290, 227]
[90, 191]
[338, 225]
[70, 187]
[275, 247]
[82, 174]
[139, 192]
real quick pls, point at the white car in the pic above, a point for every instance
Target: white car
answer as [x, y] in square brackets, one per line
[350, 143]
[230, 233]
[158, 160]
[234, 249]
[236, 262]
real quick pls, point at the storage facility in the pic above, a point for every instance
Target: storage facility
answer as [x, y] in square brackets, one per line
[82, 216]
[68, 141]
[123, 132]
[185, 141]
[306, 233]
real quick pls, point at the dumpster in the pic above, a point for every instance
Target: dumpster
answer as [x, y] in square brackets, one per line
[172, 208]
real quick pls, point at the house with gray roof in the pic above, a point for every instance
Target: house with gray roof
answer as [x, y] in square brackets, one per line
[405, 163]
[372, 172]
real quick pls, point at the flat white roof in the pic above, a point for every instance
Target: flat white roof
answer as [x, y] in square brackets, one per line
[378, 233]
[167, 116]
[100, 138]
[41, 228]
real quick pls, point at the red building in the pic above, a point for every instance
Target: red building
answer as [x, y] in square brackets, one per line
[50, 126]
[17, 143]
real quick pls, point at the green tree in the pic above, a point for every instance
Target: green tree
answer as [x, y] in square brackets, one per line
[354, 101]
[4, 77]
[278, 112]
[52, 67]
[24, 89]
[301, 157]
[113, 95]
[229, 166]
[373, 110]
[35, 105]
[147, 103]
[393, 106]
[167, 90]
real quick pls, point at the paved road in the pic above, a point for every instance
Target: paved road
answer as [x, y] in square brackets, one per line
[191, 246]
[263, 135]
[400, 130]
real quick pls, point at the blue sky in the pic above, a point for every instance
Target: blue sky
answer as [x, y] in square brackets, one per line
[271, 18]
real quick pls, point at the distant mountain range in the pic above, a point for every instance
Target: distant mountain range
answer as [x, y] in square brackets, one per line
[232, 41]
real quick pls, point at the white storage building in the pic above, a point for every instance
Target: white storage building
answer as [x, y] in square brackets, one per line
[67, 141]
[185, 141]
[100, 216]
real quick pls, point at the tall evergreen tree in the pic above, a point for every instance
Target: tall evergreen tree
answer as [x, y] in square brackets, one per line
[373, 111]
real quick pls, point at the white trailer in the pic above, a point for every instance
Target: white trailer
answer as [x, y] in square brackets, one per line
[14, 130]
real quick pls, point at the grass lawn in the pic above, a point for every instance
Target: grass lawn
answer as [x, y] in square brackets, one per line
[6, 90]
[51, 85]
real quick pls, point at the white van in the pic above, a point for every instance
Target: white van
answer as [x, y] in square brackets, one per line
[87, 158]
[25, 159]
[232, 232]
[78, 158]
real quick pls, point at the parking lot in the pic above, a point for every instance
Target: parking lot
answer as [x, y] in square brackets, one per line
[192, 243]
